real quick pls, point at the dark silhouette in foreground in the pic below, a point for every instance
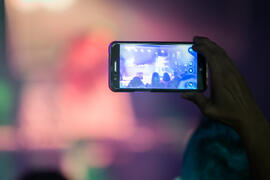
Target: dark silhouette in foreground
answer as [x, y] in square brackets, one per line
[215, 152]
[43, 175]
[231, 103]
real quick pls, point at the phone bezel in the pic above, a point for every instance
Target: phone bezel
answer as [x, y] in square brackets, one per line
[114, 74]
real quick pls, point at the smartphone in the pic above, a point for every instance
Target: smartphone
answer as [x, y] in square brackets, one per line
[156, 67]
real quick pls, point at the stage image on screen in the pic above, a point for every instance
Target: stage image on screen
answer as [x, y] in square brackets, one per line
[151, 66]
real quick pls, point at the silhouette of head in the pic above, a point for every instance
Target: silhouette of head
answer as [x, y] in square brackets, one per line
[136, 82]
[215, 152]
[43, 175]
[166, 77]
[155, 78]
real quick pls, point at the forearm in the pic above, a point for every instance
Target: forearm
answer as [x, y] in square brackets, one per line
[255, 134]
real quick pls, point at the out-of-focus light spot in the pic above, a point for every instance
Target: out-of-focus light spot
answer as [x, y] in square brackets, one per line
[83, 157]
[36, 127]
[81, 95]
[100, 155]
[162, 51]
[97, 174]
[149, 50]
[142, 50]
[52, 5]
[8, 165]
[142, 140]
[74, 163]
[7, 139]
[86, 59]
[6, 100]
[136, 50]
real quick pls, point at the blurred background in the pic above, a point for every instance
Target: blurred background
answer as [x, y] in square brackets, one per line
[56, 110]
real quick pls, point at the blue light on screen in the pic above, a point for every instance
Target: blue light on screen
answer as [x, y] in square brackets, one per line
[148, 66]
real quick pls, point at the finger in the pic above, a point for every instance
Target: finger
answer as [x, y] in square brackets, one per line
[206, 53]
[204, 50]
[198, 98]
[215, 48]
[205, 41]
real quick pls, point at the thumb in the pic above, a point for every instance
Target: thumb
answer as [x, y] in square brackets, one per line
[198, 98]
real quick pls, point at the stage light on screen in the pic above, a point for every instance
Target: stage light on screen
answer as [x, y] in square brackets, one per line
[130, 62]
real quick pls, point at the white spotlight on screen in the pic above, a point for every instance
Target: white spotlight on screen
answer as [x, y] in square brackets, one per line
[149, 50]
[142, 50]
[162, 51]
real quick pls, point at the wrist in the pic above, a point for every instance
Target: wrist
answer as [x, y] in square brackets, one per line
[251, 123]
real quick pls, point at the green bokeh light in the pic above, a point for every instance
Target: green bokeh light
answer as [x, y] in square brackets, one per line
[96, 174]
[7, 166]
[6, 100]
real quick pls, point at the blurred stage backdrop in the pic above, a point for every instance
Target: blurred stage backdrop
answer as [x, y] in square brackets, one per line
[56, 110]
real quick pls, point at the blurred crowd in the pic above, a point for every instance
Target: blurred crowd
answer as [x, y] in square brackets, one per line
[165, 81]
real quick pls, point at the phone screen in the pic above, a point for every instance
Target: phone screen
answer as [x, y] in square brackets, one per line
[154, 66]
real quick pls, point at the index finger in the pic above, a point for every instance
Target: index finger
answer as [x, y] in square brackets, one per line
[214, 48]
[215, 55]
[206, 52]
[198, 40]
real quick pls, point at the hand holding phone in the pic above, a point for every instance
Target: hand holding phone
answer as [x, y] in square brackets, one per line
[230, 101]
[156, 66]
